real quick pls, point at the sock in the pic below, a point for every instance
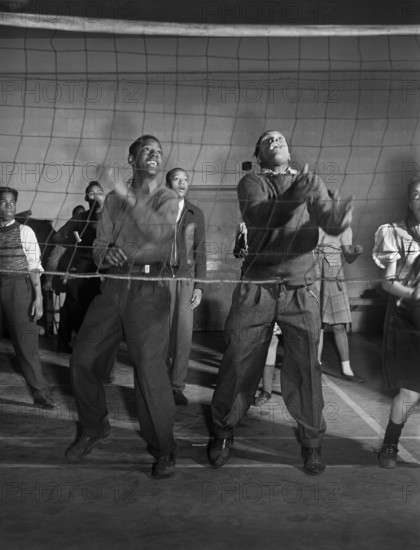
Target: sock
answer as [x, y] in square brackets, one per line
[392, 433]
[346, 368]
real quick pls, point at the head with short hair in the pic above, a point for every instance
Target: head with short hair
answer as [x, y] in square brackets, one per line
[4, 189]
[272, 149]
[177, 180]
[139, 142]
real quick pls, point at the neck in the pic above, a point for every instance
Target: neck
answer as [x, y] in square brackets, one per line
[140, 180]
[280, 169]
[5, 222]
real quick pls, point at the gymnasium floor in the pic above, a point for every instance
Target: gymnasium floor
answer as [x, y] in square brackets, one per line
[260, 499]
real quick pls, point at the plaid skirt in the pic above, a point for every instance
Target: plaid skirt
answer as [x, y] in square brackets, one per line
[334, 300]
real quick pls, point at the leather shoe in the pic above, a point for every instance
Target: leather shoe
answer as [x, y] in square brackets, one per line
[312, 463]
[387, 457]
[45, 402]
[218, 451]
[180, 398]
[164, 466]
[352, 378]
[86, 443]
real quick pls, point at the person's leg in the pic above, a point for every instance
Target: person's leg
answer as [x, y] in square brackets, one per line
[320, 346]
[181, 337]
[401, 407]
[248, 330]
[16, 300]
[299, 320]
[146, 328]
[97, 341]
[268, 372]
[342, 343]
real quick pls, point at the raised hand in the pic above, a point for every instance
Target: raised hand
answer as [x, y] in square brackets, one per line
[302, 186]
[341, 212]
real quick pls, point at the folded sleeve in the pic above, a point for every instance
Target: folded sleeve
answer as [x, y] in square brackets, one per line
[386, 249]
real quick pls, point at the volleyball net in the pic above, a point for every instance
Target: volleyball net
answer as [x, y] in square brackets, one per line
[74, 97]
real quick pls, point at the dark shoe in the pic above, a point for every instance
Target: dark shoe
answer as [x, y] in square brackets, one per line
[312, 463]
[45, 402]
[352, 378]
[86, 443]
[387, 456]
[263, 398]
[180, 398]
[218, 451]
[164, 466]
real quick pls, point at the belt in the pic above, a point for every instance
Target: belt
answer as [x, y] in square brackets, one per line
[153, 269]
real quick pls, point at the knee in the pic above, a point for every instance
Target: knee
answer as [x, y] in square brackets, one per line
[409, 396]
[339, 329]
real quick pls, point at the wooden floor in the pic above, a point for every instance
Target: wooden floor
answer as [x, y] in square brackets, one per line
[260, 499]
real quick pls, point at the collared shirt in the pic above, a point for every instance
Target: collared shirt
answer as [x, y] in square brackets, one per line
[180, 209]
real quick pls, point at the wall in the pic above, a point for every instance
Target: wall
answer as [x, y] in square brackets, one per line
[72, 103]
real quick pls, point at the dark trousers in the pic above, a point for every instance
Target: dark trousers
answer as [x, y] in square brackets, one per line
[249, 330]
[139, 312]
[16, 297]
[181, 328]
[79, 295]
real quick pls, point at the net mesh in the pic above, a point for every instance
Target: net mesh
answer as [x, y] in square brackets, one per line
[71, 104]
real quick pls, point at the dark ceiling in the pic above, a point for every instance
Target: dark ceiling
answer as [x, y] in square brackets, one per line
[254, 12]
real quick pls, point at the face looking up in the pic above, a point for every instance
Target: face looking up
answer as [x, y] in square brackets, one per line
[273, 150]
[7, 207]
[179, 183]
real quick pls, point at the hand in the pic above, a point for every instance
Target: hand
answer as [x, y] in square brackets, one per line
[302, 185]
[341, 212]
[196, 298]
[47, 286]
[358, 249]
[416, 293]
[125, 192]
[37, 309]
[115, 256]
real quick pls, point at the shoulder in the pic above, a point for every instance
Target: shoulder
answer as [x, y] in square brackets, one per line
[194, 208]
[251, 182]
[27, 233]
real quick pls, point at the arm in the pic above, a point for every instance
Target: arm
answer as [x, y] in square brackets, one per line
[64, 235]
[352, 252]
[36, 308]
[268, 209]
[32, 252]
[396, 288]
[52, 264]
[200, 251]
[156, 224]
[105, 252]
[332, 215]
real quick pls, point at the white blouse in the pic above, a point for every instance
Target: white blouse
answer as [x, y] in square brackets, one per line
[393, 243]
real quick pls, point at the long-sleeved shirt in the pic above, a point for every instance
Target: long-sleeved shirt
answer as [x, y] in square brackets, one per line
[144, 232]
[282, 232]
[81, 257]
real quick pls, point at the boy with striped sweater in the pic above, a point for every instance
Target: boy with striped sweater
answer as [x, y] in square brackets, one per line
[20, 294]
